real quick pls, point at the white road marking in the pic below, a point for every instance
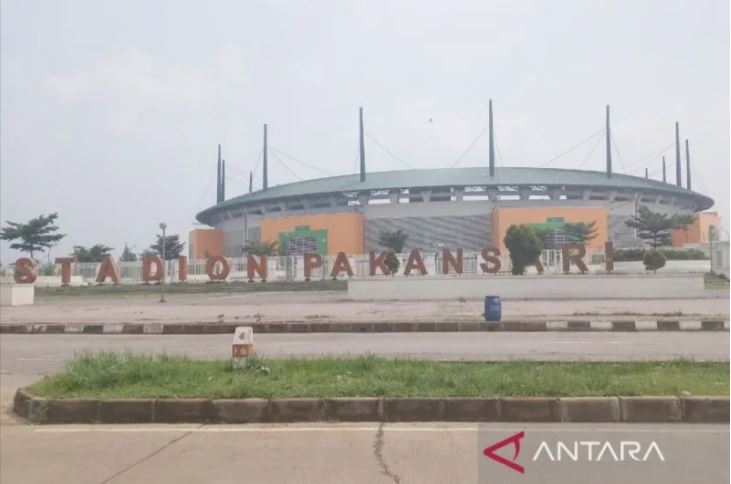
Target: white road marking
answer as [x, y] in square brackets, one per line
[386, 428]
[38, 359]
[249, 429]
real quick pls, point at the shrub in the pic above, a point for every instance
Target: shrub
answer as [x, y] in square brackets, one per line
[685, 254]
[524, 246]
[622, 255]
[260, 248]
[392, 262]
[670, 254]
[47, 269]
[653, 260]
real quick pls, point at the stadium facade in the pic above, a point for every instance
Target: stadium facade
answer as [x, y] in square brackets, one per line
[468, 208]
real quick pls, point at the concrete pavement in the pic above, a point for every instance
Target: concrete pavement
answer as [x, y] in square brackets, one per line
[353, 453]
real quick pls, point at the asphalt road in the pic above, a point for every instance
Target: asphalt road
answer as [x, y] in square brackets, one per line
[333, 306]
[38, 354]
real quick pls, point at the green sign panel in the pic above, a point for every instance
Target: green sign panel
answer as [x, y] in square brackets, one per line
[303, 240]
[551, 223]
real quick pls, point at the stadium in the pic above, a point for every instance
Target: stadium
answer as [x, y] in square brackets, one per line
[468, 208]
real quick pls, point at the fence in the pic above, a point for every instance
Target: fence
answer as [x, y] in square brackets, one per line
[291, 267]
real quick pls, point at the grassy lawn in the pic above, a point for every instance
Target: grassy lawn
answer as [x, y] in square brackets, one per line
[190, 288]
[110, 375]
[715, 281]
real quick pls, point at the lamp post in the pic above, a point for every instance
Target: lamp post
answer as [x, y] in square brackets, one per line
[163, 226]
[711, 236]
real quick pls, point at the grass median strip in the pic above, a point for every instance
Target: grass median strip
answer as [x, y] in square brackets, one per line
[122, 375]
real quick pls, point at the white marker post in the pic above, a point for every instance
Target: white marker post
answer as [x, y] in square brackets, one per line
[242, 347]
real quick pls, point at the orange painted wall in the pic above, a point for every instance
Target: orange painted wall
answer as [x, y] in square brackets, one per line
[697, 232]
[504, 217]
[344, 230]
[204, 243]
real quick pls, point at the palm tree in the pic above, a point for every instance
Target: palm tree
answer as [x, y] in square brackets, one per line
[394, 240]
[260, 248]
[581, 232]
[95, 253]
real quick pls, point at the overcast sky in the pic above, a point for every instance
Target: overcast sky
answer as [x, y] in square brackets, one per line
[111, 111]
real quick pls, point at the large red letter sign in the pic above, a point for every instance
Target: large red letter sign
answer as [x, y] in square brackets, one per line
[108, 269]
[342, 264]
[147, 274]
[379, 262]
[415, 262]
[211, 265]
[490, 255]
[259, 268]
[448, 259]
[25, 271]
[65, 268]
[573, 253]
[609, 256]
[182, 268]
[312, 261]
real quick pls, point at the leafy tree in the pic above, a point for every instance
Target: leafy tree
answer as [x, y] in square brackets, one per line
[127, 255]
[47, 269]
[173, 247]
[653, 260]
[524, 246]
[581, 232]
[655, 228]
[96, 253]
[394, 240]
[37, 235]
[545, 235]
[260, 248]
[148, 253]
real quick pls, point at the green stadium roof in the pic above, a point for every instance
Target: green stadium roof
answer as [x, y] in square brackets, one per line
[454, 177]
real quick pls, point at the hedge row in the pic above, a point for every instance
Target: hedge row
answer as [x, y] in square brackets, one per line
[670, 254]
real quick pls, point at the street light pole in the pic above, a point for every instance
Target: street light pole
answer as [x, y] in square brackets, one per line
[711, 234]
[163, 226]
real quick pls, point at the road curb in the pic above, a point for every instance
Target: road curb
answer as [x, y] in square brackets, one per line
[126, 410]
[705, 409]
[535, 409]
[206, 327]
[651, 409]
[699, 409]
[590, 409]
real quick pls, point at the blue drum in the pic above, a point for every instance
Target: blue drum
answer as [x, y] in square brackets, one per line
[492, 308]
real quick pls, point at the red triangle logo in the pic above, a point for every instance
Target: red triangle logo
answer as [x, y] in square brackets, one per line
[513, 439]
